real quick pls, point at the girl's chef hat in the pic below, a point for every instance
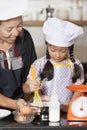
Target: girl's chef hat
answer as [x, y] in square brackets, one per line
[61, 33]
[12, 8]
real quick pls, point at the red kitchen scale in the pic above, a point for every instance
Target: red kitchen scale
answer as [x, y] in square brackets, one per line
[77, 111]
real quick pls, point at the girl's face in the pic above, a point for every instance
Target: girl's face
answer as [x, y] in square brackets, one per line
[10, 29]
[56, 53]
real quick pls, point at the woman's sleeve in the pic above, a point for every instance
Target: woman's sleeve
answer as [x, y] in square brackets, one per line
[30, 53]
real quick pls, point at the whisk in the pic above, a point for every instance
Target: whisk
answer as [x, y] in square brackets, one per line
[37, 99]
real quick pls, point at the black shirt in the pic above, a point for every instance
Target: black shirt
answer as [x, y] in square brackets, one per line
[15, 67]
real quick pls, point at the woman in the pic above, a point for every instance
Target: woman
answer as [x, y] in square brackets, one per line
[17, 53]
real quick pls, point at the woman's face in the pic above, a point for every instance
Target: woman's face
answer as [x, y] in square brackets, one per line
[10, 29]
[56, 53]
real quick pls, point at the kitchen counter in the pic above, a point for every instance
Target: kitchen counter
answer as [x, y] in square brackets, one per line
[8, 123]
[40, 23]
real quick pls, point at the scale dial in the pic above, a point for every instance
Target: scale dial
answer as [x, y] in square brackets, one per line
[79, 107]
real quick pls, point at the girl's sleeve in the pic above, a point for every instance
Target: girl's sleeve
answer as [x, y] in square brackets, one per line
[81, 79]
[37, 67]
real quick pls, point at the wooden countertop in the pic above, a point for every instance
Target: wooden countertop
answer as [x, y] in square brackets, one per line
[40, 23]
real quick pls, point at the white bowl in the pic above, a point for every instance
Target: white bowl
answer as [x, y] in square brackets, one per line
[4, 113]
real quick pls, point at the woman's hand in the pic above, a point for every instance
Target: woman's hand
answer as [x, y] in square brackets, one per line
[20, 103]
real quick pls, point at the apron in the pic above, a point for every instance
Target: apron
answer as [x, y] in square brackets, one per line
[57, 86]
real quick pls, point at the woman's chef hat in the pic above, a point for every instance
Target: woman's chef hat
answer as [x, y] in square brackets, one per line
[12, 8]
[61, 33]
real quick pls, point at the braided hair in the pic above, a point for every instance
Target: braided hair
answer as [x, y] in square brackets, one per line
[48, 70]
[77, 69]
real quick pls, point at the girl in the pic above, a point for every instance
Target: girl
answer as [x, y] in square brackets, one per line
[58, 68]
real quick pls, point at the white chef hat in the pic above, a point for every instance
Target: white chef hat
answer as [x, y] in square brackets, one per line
[61, 33]
[12, 8]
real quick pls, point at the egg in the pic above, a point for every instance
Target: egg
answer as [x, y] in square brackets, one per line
[26, 110]
[21, 118]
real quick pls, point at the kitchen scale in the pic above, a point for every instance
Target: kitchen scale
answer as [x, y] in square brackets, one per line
[77, 111]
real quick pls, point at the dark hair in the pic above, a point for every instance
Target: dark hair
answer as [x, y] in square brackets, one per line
[48, 70]
[77, 69]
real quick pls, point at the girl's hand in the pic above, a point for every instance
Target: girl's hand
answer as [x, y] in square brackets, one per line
[31, 85]
[34, 85]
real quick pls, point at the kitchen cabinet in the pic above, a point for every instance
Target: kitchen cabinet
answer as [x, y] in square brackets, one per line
[40, 23]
